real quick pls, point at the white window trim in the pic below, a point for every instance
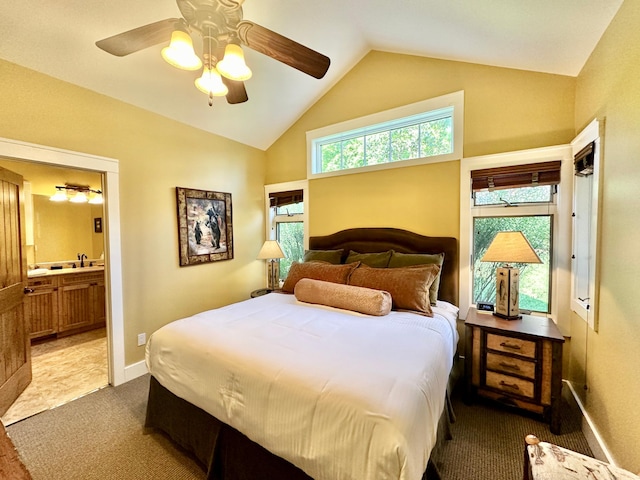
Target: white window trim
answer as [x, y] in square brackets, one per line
[455, 100]
[588, 309]
[561, 222]
[270, 233]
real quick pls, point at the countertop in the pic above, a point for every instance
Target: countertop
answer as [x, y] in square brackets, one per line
[43, 272]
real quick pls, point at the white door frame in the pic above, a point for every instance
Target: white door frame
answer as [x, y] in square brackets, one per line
[16, 150]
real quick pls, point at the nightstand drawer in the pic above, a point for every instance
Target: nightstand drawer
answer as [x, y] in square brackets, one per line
[517, 346]
[510, 385]
[510, 365]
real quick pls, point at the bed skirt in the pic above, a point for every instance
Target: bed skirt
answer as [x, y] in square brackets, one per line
[227, 454]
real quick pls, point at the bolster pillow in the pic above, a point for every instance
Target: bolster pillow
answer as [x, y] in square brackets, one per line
[347, 297]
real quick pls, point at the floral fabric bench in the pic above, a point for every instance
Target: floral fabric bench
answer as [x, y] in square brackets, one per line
[545, 461]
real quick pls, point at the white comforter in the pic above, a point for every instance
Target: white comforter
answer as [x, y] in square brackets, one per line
[339, 394]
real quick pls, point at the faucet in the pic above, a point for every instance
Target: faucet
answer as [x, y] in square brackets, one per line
[81, 257]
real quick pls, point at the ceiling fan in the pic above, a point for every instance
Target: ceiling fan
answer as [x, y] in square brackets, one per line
[222, 28]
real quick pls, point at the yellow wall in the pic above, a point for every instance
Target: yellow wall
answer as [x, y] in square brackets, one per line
[609, 360]
[526, 109]
[155, 155]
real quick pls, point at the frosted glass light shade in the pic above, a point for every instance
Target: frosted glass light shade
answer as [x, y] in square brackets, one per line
[59, 196]
[510, 247]
[79, 197]
[232, 65]
[96, 199]
[180, 52]
[211, 83]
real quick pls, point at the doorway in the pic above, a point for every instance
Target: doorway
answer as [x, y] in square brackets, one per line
[65, 307]
[109, 168]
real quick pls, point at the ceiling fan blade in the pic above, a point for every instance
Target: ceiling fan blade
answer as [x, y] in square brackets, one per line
[237, 92]
[283, 49]
[139, 38]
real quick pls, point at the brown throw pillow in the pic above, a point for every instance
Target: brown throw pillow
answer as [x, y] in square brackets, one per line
[347, 297]
[409, 287]
[408, 259]
[318, 271]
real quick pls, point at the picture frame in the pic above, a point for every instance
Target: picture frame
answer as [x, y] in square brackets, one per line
[205, 226]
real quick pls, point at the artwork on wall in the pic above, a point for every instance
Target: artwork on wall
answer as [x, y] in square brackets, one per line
[205, 229]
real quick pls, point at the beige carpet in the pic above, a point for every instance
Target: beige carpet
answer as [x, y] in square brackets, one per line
[100, 436]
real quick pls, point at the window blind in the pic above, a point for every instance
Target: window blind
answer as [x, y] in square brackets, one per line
[281, 199]
[530, 175]
[583, 160]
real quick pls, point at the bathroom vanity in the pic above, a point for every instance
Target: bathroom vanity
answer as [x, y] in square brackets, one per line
[66, 301]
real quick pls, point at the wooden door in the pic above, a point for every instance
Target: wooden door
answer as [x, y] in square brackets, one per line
[15, 351]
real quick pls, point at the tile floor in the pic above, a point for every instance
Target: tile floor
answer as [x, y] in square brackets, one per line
[63, 369]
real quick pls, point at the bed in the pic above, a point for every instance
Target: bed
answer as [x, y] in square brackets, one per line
[274, 387]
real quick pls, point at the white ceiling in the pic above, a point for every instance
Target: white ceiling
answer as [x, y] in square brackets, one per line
[58, 38]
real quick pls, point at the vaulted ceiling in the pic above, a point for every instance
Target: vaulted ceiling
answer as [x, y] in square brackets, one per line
[58, 39]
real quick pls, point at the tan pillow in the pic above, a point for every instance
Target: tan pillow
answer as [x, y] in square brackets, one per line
[409, 259]
[409, 287]
[318, 271]
[347, 297]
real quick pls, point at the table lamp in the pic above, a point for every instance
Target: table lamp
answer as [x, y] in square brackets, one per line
[508, 248]
[271, 251]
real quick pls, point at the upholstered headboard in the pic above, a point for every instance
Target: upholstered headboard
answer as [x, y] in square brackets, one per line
[371, 240]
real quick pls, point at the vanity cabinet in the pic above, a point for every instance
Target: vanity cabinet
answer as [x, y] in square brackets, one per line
[42, 306]
[66, 303]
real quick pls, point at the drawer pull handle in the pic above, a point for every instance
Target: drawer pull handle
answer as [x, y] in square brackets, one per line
[512, 366]
[511, 346]
[509, 385]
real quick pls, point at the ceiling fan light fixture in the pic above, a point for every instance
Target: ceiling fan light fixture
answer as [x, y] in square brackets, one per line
[180, 52]
[232, 65]
[211, 83]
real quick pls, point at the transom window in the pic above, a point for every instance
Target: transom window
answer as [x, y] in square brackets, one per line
[424, 132]
[414, 137]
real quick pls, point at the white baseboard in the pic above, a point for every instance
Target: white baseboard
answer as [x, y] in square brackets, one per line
[135, 370]
[590, 431]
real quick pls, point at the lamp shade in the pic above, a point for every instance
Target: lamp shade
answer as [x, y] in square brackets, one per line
[510, 247]
[270, 249]
[180, 52]
[211, 83]
[59, 196]
[232, 65]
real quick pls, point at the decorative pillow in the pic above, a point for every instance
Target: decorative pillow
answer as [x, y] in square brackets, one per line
[377, 260]
[409, 259]
[409, 287]
[318, 271]
[347, 297]
[331, 256]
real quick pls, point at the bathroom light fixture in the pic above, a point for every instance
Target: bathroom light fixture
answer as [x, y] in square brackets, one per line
[82, 194]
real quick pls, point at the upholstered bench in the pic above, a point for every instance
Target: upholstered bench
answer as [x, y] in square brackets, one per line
[545, 461]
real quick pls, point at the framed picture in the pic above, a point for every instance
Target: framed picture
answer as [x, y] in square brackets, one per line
[205, 229]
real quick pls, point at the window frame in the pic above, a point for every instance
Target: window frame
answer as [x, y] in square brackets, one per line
[587, 308]
[560, 271]
[392, 117]
[271, 218]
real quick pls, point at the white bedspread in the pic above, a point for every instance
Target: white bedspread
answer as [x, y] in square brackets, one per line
[339, 394]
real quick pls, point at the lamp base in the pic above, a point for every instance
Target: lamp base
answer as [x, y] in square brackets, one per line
[507, 298]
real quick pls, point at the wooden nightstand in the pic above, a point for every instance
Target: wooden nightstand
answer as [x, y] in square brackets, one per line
[516, 362]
